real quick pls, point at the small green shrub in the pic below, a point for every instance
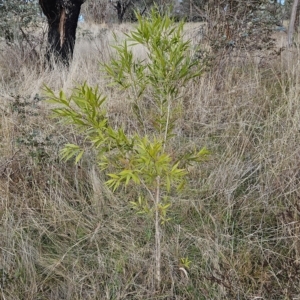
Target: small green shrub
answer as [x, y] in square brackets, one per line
[140, 159]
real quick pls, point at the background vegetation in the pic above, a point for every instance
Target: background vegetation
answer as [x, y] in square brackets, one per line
[235, 229]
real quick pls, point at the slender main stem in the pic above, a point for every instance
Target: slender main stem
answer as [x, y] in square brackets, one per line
[157, 235]
[136, 98]
[167, 123]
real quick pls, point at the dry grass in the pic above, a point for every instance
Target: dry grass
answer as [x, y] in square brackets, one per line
[64, 235]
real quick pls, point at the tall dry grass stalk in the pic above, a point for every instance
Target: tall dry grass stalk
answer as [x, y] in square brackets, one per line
[64, 235]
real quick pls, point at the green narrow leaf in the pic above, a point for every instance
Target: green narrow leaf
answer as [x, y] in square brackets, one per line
[79, 156]
[168, 183]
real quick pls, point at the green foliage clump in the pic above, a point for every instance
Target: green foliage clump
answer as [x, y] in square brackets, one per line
[162, 75]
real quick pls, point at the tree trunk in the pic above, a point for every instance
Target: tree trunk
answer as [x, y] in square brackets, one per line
[292, 23]
[119, 12]
[121, 6]
[62, 18]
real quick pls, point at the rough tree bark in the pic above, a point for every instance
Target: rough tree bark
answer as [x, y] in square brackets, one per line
[292, 22]
[62, 16]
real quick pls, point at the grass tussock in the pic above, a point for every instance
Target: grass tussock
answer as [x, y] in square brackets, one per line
[65, 235]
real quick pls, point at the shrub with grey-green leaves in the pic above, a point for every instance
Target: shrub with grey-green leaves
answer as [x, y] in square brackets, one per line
[17, 17]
